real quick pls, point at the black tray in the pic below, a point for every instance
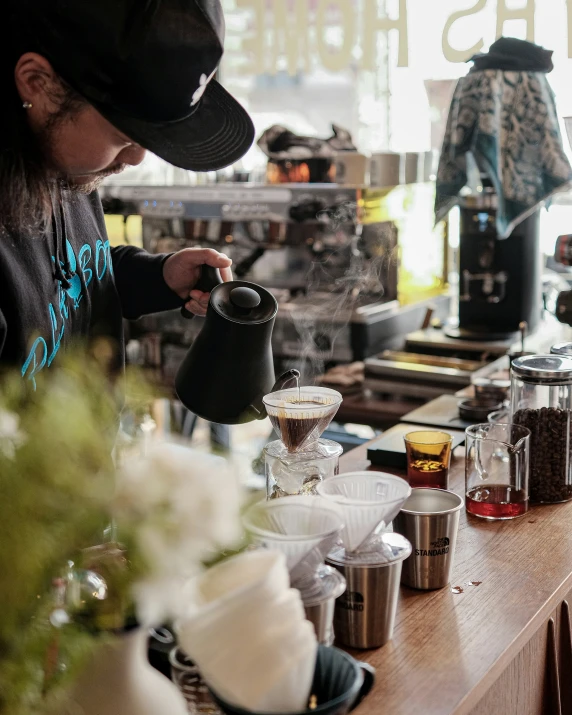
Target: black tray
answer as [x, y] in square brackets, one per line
[389, 449]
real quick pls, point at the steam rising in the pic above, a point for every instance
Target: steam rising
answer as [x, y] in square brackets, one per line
[330, 300]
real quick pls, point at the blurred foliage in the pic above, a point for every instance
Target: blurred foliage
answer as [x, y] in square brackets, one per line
[56, 485]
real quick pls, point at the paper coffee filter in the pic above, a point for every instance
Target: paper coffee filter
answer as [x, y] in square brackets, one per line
[201, 619]
[291, 690]
[271, 670]
[200, 638]
[313, 408]
[257, 572]
[263, 651]
[368, 500]
[295, 525]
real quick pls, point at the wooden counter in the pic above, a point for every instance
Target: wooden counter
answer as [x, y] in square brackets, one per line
[501, 648]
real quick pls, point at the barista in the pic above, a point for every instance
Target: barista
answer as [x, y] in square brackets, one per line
[87, 87]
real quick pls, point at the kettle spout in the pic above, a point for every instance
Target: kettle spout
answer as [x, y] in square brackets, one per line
[287, 379]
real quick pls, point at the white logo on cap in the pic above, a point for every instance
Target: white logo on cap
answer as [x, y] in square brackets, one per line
[203, 82]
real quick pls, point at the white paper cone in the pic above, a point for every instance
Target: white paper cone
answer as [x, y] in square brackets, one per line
[291, 692]
[202, 640]
[312, 407]
[257, 572]
[367, 500]
[295, 526]
[277, 670]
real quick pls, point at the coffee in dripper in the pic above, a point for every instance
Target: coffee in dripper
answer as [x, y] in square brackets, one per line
[300, 459]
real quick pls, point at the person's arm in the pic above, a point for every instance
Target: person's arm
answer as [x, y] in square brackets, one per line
[150, 283]
[140, 282]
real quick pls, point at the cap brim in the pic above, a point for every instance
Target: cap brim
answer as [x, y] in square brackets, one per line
[216, 135]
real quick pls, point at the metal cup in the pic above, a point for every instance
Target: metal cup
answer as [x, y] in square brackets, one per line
[429, 519]
[320, 601]
[364, 616]
[321, 616]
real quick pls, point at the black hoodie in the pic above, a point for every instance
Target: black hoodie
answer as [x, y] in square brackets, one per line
[68, 285]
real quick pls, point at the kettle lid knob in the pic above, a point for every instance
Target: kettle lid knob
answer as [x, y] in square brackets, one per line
[244, 298]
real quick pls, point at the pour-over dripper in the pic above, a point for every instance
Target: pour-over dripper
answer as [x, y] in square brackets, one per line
[304, 528]
[369, 501]
[300, 415]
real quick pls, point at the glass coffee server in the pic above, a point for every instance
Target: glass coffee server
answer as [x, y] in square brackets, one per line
[541, 400]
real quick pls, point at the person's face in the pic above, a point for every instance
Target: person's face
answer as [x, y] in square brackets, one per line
[82, 146]
[85, 148]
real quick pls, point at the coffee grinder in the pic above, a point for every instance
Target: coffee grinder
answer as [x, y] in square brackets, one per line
[300, 459]
[500, 280]
[563, 307]
[304, 528]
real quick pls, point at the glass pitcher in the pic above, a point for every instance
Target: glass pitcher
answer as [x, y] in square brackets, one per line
[497, 466]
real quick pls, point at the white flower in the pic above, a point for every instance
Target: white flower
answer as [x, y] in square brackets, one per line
[181, 507]
[203, 83]
[10, 435]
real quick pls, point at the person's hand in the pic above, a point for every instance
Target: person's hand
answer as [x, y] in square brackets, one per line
[182, 270]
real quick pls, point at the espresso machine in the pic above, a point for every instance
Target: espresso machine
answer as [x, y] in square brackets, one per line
[329, 254]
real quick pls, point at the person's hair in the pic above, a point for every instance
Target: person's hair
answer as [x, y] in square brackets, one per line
[26, 177]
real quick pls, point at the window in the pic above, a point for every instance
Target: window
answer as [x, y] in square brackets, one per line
[383, 69]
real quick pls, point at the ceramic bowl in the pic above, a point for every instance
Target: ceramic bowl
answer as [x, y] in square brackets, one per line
[340, 683]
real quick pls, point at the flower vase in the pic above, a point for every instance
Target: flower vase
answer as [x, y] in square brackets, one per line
[119, 680]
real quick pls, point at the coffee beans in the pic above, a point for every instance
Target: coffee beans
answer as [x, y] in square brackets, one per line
[549, 453]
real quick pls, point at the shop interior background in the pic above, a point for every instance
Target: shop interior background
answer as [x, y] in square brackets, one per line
[384, 69]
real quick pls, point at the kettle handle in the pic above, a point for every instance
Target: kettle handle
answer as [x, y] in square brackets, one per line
[282, 383]
[210, 278]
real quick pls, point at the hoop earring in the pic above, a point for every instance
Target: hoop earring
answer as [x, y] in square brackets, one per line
[27, 105]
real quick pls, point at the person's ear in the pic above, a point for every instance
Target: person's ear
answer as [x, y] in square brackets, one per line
[38, 86]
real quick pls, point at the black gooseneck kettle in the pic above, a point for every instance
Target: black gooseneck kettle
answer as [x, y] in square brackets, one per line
[229, 367]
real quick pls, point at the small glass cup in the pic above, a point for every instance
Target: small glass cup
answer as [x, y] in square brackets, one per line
[428, 458]
[497, 470]
[187, 677]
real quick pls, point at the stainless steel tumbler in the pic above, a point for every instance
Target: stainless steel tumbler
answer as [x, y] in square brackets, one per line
[321, 616]
[320, 600]
[364, 616]
[429, 519]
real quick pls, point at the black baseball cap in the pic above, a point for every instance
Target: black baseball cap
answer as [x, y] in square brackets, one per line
[148, 67]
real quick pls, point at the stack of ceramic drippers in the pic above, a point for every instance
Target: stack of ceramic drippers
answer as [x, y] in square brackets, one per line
[270, 670]
[370, 558]
[304, 529]
[300, 459]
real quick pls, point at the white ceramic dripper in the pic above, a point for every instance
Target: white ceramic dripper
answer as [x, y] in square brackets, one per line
[369, 501]
[305, 529]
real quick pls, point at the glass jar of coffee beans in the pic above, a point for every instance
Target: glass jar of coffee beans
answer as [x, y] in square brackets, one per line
[541, 400]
